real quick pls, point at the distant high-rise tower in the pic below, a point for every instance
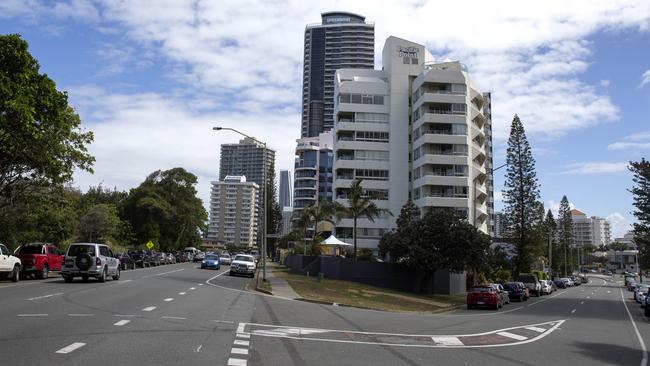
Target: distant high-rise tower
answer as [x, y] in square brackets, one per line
[247, 158]
[342, 40]
[285, 189]
[233, 205]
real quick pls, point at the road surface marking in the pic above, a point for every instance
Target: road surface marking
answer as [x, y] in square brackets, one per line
[122, 322]
[609, 292]
[181, 293]
[81, 314]
[200, 284]
[192, 288]
[582, 302]
[44, 296]
[644, 360]
[512, 335]
[224, 321]
[573, 311]
[164, 273]
[241, 343]
[70, 348]
[239, 351]
[125, 316]
[236, 362]
[198, 349]
[241, 327]
[169, 299]
[536, 329]
[149, 308]
[588, 297]
[245, 336]
[28, 315]
[174, 317]
[447, 341]
[125, 281]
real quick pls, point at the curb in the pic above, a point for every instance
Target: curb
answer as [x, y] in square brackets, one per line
[320, 302]
[257, 284]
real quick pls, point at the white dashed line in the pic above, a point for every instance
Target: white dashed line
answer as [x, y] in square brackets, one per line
[582, 302]
[149, 308]
[236, 362]
[122, 322]
[512, 335]
[200, 284]
[81, 314]
[181, 293]
[169, 299]
[192, 288]
[588, 297]
[241, 343]
[125, 281]
[70, 348]
[239, 351]
[44, 296]
[164, 273]
[174, 317]
[224, 321]
[28, 315]
[573, 311]
[125, 316]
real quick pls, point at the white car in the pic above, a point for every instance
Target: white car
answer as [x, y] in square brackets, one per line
[87, 260]
[243, 264]
[547, 289]
[9, 264]
[225, 258]
[640, 292]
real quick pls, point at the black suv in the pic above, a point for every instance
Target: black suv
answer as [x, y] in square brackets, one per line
[139, 257]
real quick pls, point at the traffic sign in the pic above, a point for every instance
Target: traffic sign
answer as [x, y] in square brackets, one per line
[149, 245]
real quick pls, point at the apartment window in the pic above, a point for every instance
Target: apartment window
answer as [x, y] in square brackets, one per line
[361, 98]
[416, 154]
[416, 173]
[371, 174]
[416, 193]
[372, 136]
[371, 117]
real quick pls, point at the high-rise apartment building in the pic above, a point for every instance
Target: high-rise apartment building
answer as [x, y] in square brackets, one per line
[313, 171]
[284, 196]
[233, 211]
[414, 130]
[590, 230]
[250, 159]
[341, 40]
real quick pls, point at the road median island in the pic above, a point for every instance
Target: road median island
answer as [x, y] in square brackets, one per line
[352, 294]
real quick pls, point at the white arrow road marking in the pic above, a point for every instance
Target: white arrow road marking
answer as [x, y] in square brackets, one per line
[513, 336]
[70, 348]
[122, 322]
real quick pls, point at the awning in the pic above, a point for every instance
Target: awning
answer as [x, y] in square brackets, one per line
[334, 241]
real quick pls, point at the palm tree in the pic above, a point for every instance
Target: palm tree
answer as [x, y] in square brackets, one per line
[359, 206]
[312, 215]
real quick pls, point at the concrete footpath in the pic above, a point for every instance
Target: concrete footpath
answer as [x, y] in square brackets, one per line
[279, 286]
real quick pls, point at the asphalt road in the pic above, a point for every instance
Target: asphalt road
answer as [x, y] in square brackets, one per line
[181, 315]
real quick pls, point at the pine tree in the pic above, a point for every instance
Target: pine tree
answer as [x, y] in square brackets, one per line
[520, 194]
[565, 233]
[550, 231]
[641, 196]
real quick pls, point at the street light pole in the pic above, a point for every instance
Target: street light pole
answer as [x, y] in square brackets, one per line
[263, 222]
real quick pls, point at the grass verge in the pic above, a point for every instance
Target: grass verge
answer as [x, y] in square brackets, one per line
[265, 285]
[370, 297]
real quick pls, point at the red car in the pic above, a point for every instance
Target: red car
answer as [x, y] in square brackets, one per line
[484, 296]
[40, 259]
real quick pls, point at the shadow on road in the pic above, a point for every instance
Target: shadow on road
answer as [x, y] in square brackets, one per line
[611, 354]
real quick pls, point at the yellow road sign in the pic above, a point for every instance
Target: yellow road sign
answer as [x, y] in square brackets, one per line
[149, 245]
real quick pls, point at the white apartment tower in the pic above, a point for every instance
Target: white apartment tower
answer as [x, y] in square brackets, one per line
[590, 230]
[415, 129]
[233, 211]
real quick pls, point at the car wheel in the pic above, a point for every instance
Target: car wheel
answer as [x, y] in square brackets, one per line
[15, 274]
[218, 268]
[67, 279]
[45, 272]
[102, 277]
[647, 311]
[117, 274]
[230, 273]
[252, 275]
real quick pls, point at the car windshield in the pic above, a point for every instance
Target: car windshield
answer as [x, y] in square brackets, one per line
[31, 249]
[225, 256]
[483, 289]
[211, 257]
[244, 258]
[75, 250]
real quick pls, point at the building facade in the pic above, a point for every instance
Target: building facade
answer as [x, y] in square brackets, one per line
[313, 171]
[233, 212]
[285, 194]
[341, 40]
[414, 130]
[250, 159]
[590, 230]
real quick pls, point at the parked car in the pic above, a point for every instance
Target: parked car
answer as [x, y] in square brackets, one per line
[639, 293]
[198, 257]
[171, 258]
[531, 282]
[505, 297]
[181, 257]
[126, 261]
[39, 259]
[87, 260]
[559, 283]
[631, 286]
[576, 280]
[484, 296]
[211, 261]
[243, 264]
[9, 264]
[152, 258]
[139, 257]
[515, 291]
[546, 288]
[225, 258]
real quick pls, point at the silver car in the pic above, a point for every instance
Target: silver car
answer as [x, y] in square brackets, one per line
[87, 260]
[547, 288]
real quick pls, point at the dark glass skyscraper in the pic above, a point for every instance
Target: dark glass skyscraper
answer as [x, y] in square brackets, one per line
[342, 40]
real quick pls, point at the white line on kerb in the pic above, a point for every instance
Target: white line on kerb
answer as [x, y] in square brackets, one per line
[236, 362]
[239, 351]
[644, 360]
[70, 348]
[122, 322]
[149, 308]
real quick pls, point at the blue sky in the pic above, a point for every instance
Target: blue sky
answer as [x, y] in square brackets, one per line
[151, 80]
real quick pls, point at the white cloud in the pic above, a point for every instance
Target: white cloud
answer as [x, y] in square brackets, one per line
[604, 83]
[637, 141]
[619, 225]
[645, 78]
[83, 10]
[596, 168]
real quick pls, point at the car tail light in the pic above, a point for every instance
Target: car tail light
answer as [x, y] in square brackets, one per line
[98, 262]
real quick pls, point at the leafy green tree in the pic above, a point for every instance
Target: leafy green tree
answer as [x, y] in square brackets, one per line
[565, 233]
[520, 196]
[359, 205]
[396, 242]
[100, 224]
[40, 138]
[641, 196]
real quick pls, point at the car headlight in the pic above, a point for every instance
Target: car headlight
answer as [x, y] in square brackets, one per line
[203, 262]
